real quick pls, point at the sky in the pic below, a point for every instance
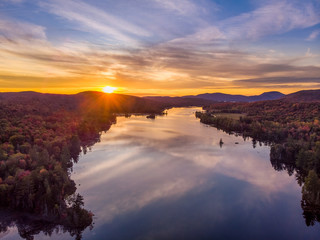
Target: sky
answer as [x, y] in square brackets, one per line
[160, 47]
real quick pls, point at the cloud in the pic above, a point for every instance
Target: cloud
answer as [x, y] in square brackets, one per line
[308, 53]
[89, 18]
[269, 19]
[208, 36]
[14, 1]
[314, 35]
[278, 80]
[23, 31]
[183, 7]
[275, 18]
[28, 52]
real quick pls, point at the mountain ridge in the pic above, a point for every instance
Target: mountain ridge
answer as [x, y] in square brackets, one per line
[304, 96]
[223, 97]
[83, 101]
[123, 103]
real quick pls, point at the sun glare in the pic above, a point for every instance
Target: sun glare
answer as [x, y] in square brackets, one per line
[109, 89]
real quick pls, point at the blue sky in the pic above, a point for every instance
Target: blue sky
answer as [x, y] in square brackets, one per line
[164, 47]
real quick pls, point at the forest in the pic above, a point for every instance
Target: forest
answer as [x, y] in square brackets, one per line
[42, 136]
[291, 128]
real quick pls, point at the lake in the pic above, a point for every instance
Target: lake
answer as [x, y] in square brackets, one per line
[169, 178]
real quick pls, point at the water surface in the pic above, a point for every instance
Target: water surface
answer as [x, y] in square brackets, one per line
[169, 178]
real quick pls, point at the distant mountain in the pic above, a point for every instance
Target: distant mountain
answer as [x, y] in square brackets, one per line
[221, 97]
[304, 96]
[119, 103]
[180, 101]
[274, 95]
[84, 101]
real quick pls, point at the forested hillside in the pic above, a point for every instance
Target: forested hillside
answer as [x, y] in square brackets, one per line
[304, 96]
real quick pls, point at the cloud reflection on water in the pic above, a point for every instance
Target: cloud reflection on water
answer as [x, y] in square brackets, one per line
[140, 161]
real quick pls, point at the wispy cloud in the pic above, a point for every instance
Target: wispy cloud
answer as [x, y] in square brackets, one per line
[29, 53]
[275, 18]
[267, 20]
[278, 80]
[14, 1]
[16, 30]
[89, 18]
[184, 7]
[314, 35]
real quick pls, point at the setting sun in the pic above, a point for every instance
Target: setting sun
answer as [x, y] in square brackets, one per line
[109, 89]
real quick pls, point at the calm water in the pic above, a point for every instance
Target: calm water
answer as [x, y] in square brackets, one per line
[168, 178]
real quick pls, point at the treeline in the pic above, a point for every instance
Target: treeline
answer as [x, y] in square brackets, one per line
[293, 132]
[169, 102]
[41, 137]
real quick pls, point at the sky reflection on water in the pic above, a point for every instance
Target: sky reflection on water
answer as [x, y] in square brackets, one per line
[168, 178]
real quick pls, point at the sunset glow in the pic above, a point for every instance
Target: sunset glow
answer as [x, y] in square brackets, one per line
[191, 47]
